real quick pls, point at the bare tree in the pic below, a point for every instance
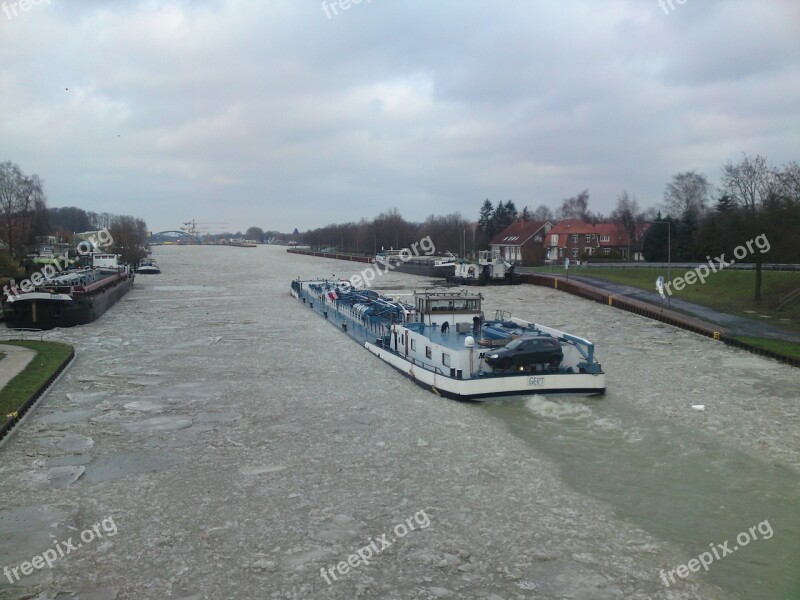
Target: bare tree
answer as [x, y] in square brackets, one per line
[22, 204]
[129, 235]
[576, 207]
[543, 213]
[12, 182]
[789, 182]
[751, 183]
[626, 215]
[650, 214]
[687, 191]
[449, 233]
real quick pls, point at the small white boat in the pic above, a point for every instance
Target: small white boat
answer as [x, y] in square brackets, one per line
[148, 267]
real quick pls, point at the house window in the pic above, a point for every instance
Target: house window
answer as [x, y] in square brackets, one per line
[428, 352]
[588, 237]
[554, 239]
[574, 253]
[445, 359]
[413, 344]
[606, 250]
[605, 238]
[575, 238]
[588, 250]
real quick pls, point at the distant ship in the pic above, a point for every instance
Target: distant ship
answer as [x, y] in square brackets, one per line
[403, 261]
[242, 243]
[148, 267]
[443, 343]
[75, 297]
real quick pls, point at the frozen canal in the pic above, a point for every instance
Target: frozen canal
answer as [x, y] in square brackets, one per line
[214, 439]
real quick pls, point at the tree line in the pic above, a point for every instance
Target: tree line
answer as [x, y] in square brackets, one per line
[754, 198]
[24, 216]
[389, 230]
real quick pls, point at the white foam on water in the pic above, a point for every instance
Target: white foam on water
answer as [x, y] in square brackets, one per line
[555, 408]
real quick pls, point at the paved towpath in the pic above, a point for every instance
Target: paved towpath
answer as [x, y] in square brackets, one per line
[731, 324]
[17, 358]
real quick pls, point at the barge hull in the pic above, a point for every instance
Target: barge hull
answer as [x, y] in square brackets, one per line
[481, 389]
[49, 314]
[422, 270]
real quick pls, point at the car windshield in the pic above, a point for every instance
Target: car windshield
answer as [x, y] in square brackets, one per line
[513, 344]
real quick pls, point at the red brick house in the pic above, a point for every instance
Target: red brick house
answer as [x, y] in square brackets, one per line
[576, 240]
[522, 242]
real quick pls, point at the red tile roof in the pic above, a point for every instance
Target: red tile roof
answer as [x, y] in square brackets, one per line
[615, 232]
[518, 233]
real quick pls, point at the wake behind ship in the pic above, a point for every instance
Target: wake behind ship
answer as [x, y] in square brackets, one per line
[76, 297]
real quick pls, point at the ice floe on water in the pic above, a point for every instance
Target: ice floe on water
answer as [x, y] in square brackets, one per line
[165, 423]
[117, 465]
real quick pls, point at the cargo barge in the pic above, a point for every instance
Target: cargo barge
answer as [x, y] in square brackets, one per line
[444, 344]
[75, 297]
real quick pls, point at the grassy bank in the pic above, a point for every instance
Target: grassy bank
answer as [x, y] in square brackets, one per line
[726, 291]
[786, 348]
[49, 357]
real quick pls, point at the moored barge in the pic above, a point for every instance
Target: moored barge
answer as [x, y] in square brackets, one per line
[75, 297]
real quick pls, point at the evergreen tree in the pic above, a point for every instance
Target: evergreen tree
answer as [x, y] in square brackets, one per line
[485, 218]
[684, 239]
[500, 218]
[725, 204]
[655, 240]
[511, 211]
[525, 215]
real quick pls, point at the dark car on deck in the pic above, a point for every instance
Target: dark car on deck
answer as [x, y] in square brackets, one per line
[525, 352]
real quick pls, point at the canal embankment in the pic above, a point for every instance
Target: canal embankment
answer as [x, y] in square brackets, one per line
[335, 255]
[30, 368]
[591, 291]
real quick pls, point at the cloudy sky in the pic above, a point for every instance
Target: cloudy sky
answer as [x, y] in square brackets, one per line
[287, 114]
